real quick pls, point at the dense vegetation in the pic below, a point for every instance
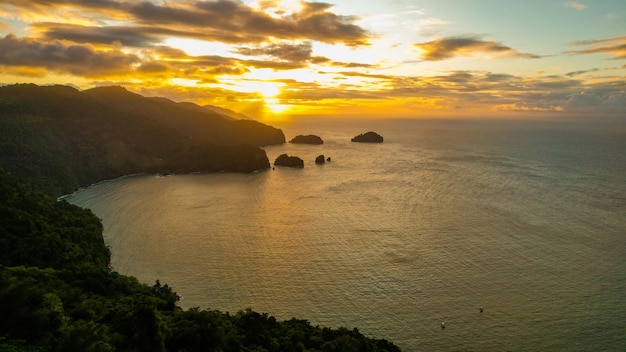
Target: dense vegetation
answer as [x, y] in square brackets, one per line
[60, 138]
[57, 293]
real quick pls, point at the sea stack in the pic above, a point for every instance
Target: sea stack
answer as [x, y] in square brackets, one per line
[289, 161]
[308, 139]
[369, 137]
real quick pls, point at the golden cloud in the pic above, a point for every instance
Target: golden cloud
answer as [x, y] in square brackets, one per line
[615, 46]
[449, 47]
[227, 21]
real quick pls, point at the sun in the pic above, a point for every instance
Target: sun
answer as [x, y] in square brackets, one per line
[267, 90]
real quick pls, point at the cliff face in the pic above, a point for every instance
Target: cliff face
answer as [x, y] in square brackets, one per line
[60, 138]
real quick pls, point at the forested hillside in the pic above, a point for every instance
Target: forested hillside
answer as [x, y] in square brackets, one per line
[60, 138]
[57, 293]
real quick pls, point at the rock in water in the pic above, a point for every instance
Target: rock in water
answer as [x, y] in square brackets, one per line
[320, 159]
[308, 139]
[289, 161]
[369, 137]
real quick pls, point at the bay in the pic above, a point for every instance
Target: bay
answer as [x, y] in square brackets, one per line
[526, 219]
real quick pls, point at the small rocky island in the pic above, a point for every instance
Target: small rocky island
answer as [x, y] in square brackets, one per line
[320, 159]
[308, 139]
[369, 137]
[289, 161]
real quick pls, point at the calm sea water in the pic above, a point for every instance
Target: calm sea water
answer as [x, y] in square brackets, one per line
[526, 219]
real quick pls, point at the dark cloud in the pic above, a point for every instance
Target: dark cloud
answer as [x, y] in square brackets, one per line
[223, 69]
[446, 48]
[57, 56]
[499, 77]
[275, 65]
[153, 67]
[320, 60]
[316, 7]
[582, 72]
[615, 46]
[85, 60]
[235, 65]
[34, 5]
[228, 21]
[318, 24]
[290, 56]
[200, 67]
[134, 36]
[169, 52]
[287, 52]
[125, 35]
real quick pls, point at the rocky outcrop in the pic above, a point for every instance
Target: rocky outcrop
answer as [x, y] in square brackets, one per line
[369, 137]
[289, 161]
[308, 139]
[320, 159]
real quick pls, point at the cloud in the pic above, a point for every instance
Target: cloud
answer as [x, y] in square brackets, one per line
[228, 21]
[449, 47]
[581, 72]
[138, 36]
[575, 5]
[350, 64]
[504, 92]
[33, 57]
[282, 51]
[607, 97]
[81, 60]
[125, 35]
[615, 46]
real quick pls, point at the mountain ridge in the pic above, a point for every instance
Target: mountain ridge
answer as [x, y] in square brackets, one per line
[60, 138]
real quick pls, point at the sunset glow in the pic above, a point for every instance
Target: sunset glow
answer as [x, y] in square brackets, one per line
[410, 58]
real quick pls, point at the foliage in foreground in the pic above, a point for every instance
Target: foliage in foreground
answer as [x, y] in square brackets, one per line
[57, 293]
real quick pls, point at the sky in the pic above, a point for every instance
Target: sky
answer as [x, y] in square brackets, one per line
[284, 59]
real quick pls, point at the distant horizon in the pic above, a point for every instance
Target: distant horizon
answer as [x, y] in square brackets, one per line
[282, 59]
[286, 119]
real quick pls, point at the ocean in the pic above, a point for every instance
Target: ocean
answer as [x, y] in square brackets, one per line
[524, 218]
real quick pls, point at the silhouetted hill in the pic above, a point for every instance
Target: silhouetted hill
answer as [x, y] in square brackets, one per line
[60, 138]
[226, 112]
[200, 124]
